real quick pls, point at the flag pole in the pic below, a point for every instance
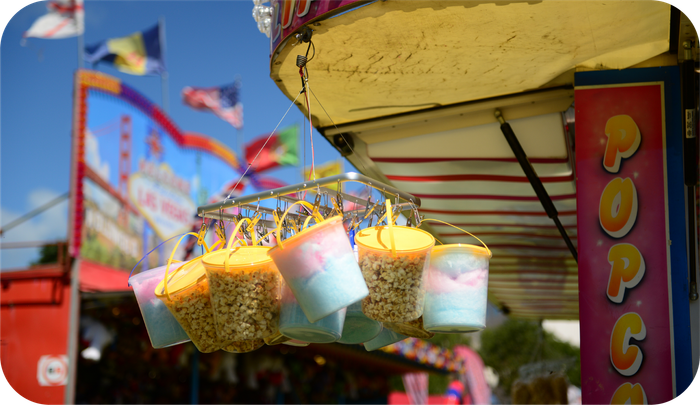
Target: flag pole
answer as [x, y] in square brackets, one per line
[80, 51]
[239, 131]
[74, 294]
[80, 20]
[239, 136]
[164, 74]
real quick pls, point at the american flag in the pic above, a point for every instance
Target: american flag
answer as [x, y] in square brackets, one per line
[222, 100]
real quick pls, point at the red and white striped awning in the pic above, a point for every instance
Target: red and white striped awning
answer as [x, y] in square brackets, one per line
[465, 174]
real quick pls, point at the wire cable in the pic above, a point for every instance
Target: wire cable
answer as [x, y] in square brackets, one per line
[261, 149]
[339, 132]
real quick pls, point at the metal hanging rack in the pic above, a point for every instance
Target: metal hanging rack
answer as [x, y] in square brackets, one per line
[318, 187]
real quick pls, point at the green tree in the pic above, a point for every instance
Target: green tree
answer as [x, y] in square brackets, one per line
[49, 254]
[516, 343]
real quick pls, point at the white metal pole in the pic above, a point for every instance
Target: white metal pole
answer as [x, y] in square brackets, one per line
[74, 297]
[80, 21]
[80, 51]
[73, 331]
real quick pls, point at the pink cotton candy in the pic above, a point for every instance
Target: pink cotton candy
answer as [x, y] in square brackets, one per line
[438, 282]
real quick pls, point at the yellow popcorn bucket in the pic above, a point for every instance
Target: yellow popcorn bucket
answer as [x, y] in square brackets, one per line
[244, 284]
[245, 346]
[185, 292]
[393, 259]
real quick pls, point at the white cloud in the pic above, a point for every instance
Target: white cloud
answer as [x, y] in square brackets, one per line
[92, 156]
[50, 225]
[566, 331]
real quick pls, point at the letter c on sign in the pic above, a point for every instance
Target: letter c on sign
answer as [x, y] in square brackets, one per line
[617, 212]
[629, 394]
[627, 358]
[623, 140]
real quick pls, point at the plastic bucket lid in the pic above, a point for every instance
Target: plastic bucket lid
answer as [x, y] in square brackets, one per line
[405, 239]
[276, 339]
[184, 277]
[411, 329]
[295, 343]
[463, 247]
[385, 338]
[311, 333]
[242, 256]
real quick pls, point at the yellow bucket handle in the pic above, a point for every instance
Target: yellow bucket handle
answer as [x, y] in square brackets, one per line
[170, 260]
[469, 233]
[390, 222]
[216, 245]
[235, 232]
[231, 244]
[280, 221]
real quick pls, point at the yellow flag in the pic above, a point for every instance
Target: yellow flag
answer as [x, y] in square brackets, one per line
[327, 169]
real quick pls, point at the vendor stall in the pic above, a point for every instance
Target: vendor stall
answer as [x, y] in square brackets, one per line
[497, 116]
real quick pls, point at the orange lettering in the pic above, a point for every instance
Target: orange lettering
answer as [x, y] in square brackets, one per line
[618, 207]
[627, 358]
[276, 27]
[629, 394]
[303, 8]
[287, 13]
[627, 270]
[623, 140]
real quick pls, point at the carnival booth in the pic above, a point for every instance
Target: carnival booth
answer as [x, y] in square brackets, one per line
[540, 156]
[560, 133]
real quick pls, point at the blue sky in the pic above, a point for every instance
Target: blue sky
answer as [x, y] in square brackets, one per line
[209, 43]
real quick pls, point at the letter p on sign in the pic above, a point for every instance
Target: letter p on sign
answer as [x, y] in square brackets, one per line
[623, 140]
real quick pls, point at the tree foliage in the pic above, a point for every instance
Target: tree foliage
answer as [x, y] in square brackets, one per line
[49, 254]
[516, 343]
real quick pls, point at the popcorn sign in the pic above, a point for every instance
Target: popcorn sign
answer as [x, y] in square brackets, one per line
[624, 266]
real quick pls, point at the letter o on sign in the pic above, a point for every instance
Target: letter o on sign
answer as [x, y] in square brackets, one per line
[618, 207]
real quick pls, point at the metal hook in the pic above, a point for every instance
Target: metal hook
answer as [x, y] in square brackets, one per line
[221, 228]
[416, 214]
[202, 233]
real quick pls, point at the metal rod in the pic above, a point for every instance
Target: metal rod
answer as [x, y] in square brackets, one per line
[73, 333]
[31, 244]
[535, 181]
[690, 145]
[690, 159]
[31, 214]
[310, 186]
[692, 259]
[270, 224]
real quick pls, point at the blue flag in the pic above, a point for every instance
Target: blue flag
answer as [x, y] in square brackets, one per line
[137, 54]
